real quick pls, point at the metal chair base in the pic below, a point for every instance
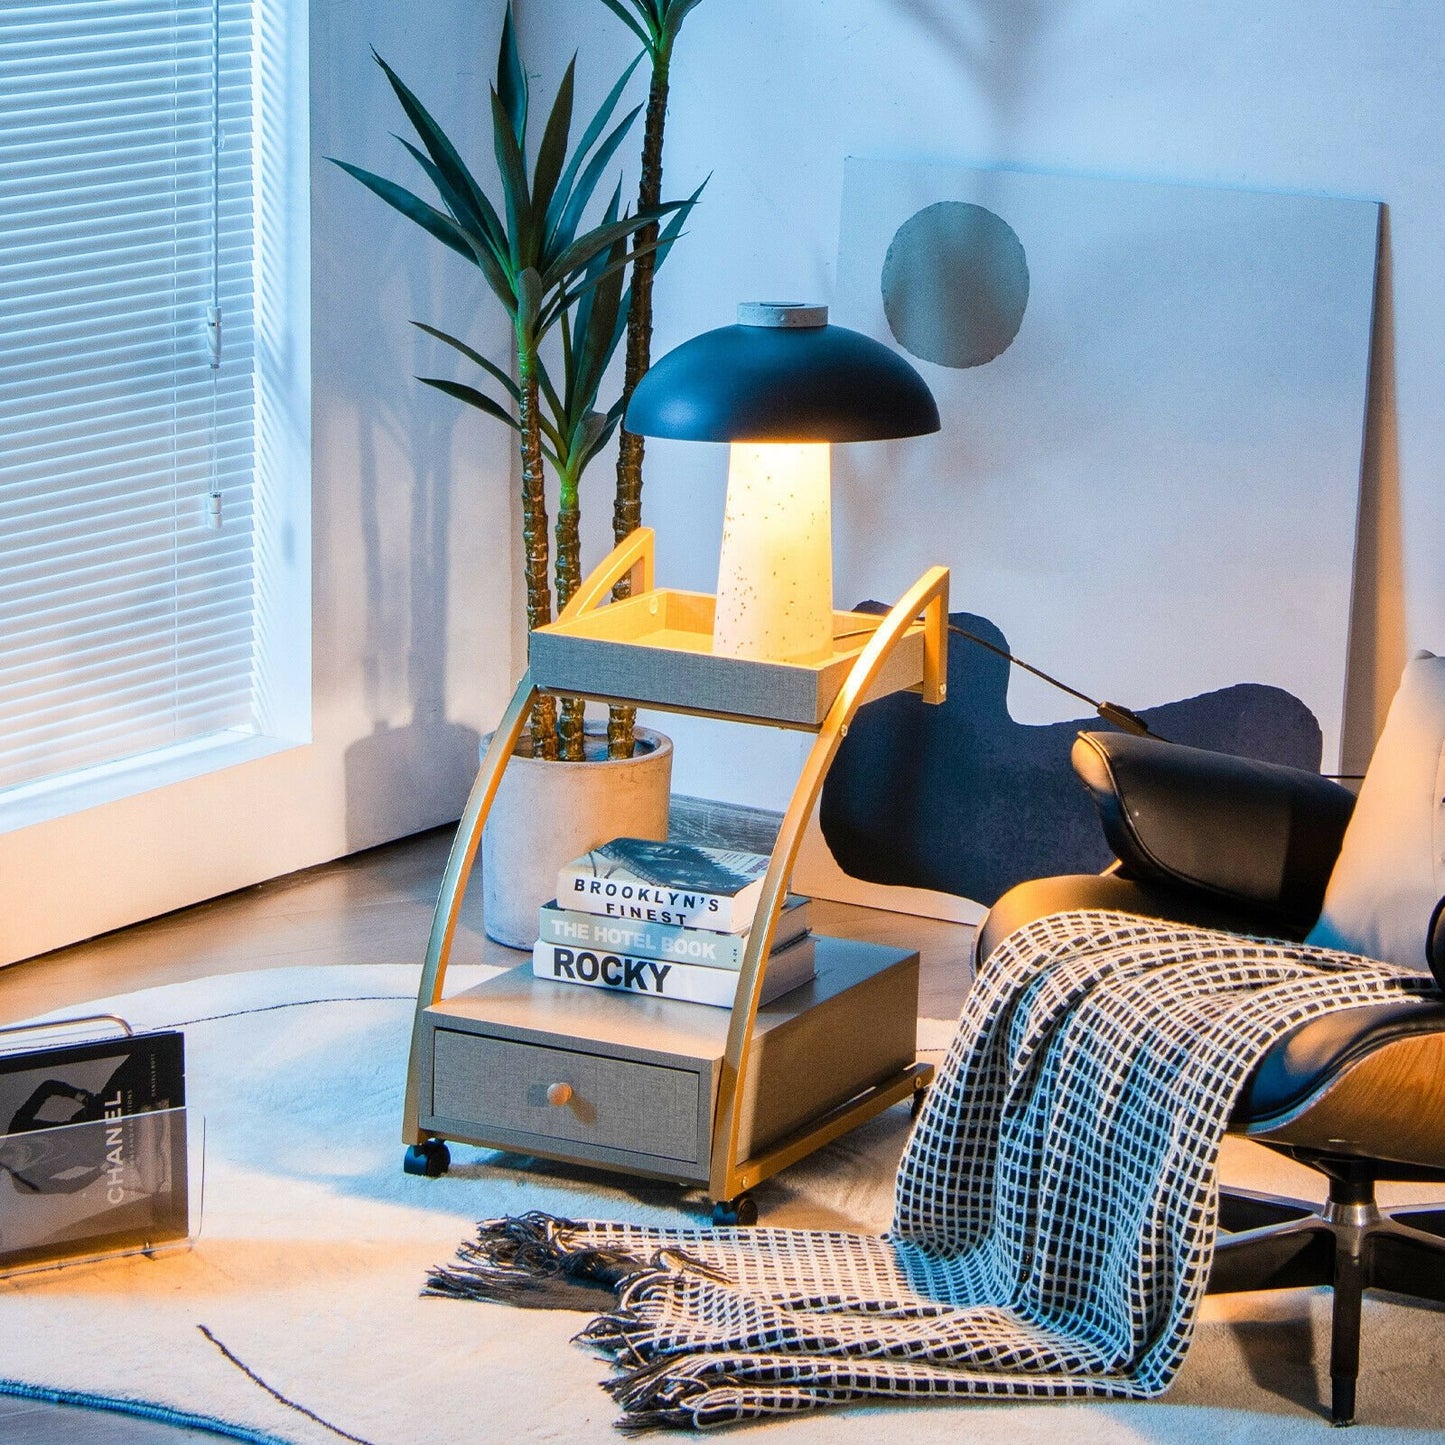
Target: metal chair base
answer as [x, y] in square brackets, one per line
[1348, 1243]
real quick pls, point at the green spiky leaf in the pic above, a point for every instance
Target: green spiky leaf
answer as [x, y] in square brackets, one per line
[588, 435]
[513, 167]
[490, 367]
[443, 227]
[512, 80]
[673, 229]
[597, 314]
[472, 397]
[569, 296]
[563, 232]
[490, 252]
[550, 395]
[530, 297]
[630, 21]
[576, 256]
[674, 12]
[471, 207]
[552, 153]
[611, 420]
[474, 212]
[588, 139]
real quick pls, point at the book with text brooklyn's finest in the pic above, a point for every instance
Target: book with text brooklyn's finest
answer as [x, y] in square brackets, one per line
[657, 978]
[573, 928]
[662, 882]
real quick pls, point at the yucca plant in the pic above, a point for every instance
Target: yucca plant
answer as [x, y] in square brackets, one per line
[656, 24]
[573, 430]
[534, 256]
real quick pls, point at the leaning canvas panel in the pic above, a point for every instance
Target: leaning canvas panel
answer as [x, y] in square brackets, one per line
[1153, 402]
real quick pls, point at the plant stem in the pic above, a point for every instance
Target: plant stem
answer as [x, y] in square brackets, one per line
[627, 506]
[568, 576]
[534, 531]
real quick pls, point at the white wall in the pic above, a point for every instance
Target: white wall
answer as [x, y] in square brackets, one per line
[414, 636]
[1335, 97]
[413, 644]
[415, 595]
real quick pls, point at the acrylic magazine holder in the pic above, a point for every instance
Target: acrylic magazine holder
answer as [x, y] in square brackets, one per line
[97, 1159]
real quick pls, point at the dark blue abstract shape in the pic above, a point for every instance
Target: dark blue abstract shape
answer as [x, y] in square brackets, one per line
[963, 799]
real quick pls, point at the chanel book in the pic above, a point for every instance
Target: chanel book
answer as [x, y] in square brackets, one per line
[92, 1148]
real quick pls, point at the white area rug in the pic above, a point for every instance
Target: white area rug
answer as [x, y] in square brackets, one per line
[314, 1247]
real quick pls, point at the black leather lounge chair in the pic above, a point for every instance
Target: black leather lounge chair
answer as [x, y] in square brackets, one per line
[1359, 1095]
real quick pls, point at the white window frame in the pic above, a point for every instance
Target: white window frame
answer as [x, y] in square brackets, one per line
[103, 846]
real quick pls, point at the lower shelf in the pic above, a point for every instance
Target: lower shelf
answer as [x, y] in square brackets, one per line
[630, 1084]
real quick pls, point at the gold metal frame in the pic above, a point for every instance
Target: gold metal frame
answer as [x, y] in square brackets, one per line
[924, 605]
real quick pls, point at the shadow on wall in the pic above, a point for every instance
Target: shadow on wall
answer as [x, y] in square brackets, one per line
[993, 42]
[962, 799]
[406, 618]
[415, 759]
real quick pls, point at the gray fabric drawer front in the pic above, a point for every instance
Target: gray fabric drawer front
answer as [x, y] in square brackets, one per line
[644, 1108]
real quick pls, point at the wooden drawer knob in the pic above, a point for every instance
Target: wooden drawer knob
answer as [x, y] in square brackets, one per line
[559, 1094]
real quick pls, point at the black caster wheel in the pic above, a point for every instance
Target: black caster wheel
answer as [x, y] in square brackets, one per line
[915, 1108]
[432, 1159]
[742, 1210]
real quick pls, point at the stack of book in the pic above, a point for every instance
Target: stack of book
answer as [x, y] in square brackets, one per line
[668, 920]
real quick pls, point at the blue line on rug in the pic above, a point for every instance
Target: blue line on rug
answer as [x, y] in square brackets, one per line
[267, 1008]
[275, 1394]
[143, 1409]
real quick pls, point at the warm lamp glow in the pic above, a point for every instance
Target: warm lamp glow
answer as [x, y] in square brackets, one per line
[780, 387]
[775, 576]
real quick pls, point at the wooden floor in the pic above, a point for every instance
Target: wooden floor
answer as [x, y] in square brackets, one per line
[371, 908]
[375, 907]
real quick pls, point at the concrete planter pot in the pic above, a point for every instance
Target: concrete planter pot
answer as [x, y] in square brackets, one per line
[546, 813]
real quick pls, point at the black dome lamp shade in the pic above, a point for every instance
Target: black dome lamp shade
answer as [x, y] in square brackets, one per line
[782, 375]
[780, 387]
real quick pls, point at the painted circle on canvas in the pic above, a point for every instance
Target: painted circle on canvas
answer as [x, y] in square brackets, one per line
[955, 284]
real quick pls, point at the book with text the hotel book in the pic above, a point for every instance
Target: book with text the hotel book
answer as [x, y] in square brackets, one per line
[92, 1148]
[787, 969]
[573, 928]
[682, 884]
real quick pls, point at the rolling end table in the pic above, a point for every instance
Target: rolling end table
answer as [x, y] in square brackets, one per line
[658, 1087]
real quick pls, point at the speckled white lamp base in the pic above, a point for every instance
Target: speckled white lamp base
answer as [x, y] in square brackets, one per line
[775, 575]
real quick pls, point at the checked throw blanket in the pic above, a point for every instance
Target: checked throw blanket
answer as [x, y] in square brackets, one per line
[1055, 1210]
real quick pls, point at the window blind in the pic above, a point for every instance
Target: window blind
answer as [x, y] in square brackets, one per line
[126, 457]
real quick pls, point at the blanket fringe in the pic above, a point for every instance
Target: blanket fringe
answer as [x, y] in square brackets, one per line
[524, 1260]
[663, 1395]
[612, 1334]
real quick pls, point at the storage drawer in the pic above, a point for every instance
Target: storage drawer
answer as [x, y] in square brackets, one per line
[617, 1104]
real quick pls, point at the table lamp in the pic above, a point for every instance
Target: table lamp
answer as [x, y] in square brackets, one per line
[781, 386]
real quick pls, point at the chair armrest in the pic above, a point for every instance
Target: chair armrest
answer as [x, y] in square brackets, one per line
[1257, 834]
[1039, 897]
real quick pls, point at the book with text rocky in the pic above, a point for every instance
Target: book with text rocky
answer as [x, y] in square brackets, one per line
[787, 969]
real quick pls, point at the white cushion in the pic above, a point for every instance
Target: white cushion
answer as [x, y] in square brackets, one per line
[1391, 869]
